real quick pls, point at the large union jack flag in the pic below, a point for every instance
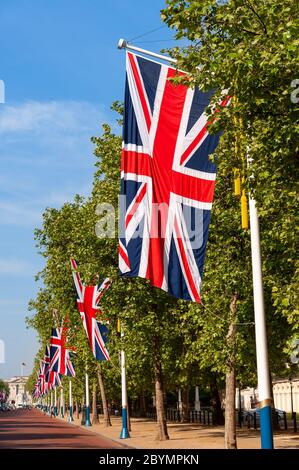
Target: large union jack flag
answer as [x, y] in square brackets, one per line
[88, 298]
[60, 360]
[167, 179]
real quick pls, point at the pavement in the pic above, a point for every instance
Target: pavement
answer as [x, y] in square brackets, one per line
[144, 432]
[24, 429]
[33, 429]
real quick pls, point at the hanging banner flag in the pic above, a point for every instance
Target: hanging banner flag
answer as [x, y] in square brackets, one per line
[167, 179]
[60, 360]
[53, 379]
[92, 317]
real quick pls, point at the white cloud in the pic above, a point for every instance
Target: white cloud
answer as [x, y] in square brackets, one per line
[52, 116]
[15, 267]
[46, 156]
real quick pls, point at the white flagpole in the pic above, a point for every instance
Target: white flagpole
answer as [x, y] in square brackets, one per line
[263, 372]
[123, 44]
[124, 396]
[71, 402]
[61, 403]
[87, 415]
[55, 402]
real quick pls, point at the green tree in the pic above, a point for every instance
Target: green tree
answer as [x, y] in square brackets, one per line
[249, 49]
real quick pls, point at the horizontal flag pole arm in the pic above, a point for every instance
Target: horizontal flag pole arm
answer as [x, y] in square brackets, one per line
[123, 44]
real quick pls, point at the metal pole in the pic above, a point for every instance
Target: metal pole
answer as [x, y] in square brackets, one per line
[240, 407]
[197, 401]
[61, 403]
[55, 402]
[124, 398]
[292, 404]
[263, 373]
[87, 409]
[71, 402]
[180, 404]
[51, 403]
[123, 44]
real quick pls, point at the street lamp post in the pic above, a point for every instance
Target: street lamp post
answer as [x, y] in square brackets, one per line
[293, 413]
[292, 404]
[240, 406]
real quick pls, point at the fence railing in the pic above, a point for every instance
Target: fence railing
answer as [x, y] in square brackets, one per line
[252, 420]
[204, 416]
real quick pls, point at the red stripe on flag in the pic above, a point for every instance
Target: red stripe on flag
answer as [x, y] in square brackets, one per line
[124, 255]
[135, 206]
[184, 259]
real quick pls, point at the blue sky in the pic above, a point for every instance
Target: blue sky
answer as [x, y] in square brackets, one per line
[62, 70]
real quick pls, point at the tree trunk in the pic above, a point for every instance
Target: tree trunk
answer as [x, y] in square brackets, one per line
[77, 410]
[107, 421]
[230, 384]
[142, 406]
[218, 416]
[185, 418]
[95, 417]
[161, 419]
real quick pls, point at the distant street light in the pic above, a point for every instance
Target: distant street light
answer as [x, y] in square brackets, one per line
[291, 387]
[22, 368]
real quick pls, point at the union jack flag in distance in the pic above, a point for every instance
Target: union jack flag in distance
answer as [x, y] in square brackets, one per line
[88, 298]
[59, 355]
[167, 179]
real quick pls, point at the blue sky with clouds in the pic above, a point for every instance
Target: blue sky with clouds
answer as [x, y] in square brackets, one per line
[62, 70]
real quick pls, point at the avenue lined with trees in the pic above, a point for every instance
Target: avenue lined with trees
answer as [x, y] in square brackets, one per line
[250, 49]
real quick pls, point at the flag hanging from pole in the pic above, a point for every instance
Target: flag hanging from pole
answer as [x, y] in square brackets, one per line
[167, 179]
[60, 360]
[95, 325]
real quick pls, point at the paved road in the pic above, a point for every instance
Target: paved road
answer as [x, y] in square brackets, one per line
[25, 429]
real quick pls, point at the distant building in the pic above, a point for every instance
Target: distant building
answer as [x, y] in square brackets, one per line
[285, 393]
[17, 393]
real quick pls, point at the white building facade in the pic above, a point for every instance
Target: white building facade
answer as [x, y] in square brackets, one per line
[17, 391]
[285, 393]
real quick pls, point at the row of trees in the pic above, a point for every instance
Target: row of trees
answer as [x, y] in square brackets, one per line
[172, 343]
[4, 391]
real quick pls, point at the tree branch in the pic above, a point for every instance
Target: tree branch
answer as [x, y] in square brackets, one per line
[258, 16]
[250, 32]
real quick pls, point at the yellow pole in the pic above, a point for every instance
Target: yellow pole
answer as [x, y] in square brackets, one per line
[237, 182]
[244, 209]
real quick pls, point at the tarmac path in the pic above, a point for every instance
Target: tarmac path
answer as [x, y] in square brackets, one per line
[24, 429]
